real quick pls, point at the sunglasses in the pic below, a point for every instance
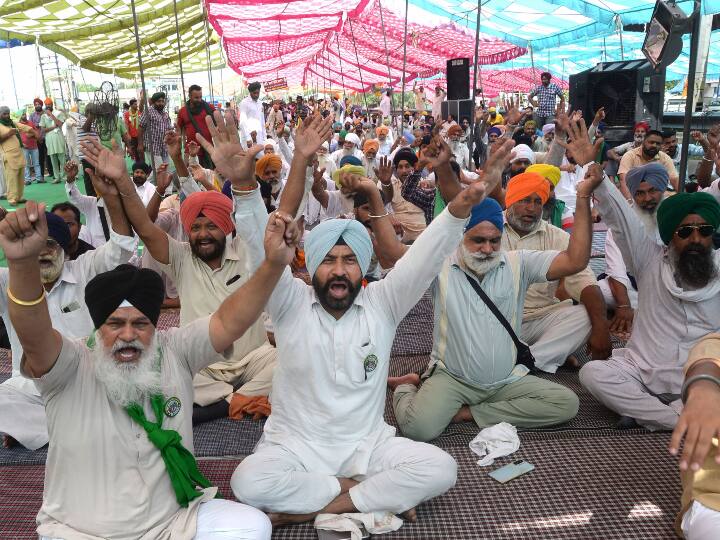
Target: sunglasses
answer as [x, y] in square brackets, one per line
[686, 230]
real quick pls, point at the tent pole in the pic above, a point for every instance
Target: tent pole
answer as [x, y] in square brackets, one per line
[42, 71]
[620, 29]
[12, 74]
[532, 57]
[475, 74]
[342, 75]
[387, 55]
[177, 34]
[357, 59]
[57, 67]
[402, 88]
[207, 49]
[140, 64]
[690, 100]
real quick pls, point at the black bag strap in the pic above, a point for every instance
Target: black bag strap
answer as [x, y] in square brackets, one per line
[104, 223]
[495, 311]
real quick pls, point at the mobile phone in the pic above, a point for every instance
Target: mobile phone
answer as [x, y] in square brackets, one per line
[338, 535]
[511, 470]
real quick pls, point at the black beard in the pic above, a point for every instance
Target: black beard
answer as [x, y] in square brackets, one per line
[695, 266]
[214, 254]
[38, 109]
[195, 107]
[330, 303]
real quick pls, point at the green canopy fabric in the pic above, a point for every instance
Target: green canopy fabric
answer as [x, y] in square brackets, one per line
[99, 35]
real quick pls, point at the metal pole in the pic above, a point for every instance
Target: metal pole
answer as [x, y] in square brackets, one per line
[140, 64]
[387, 55]
[342, 75]
[357, 59]
[402, 88]
[57, 68]
[475, 74]
[207, 49]
[620, 29]
[42, 71]
[690, 100]
[532, 58]
[177, 34]
[12, 74]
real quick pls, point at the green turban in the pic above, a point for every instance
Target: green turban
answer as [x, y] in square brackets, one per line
[674, 209]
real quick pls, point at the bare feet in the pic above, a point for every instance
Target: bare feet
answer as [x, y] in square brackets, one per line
[571, 362]
[278, 520]
[9, 442]
[463, 415]
[410, 378]
[410, 515]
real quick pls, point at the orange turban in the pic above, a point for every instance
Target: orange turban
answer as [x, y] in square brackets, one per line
[371, 144]
[525, 184]
[213, 205]
[48, 101]
[268, 160]
[455, 130]
[382, 130]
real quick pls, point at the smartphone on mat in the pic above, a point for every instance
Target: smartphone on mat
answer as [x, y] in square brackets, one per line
[511, 470]
[337, 535]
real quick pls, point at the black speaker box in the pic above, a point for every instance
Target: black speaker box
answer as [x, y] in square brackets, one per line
[458, 78]
[458, 108]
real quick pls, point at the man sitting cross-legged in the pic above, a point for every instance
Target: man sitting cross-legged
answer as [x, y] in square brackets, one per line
[326, 447]
[119, 406]
[474, 375]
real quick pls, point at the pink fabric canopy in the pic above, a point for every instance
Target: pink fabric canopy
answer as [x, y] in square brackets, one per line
[339, 43]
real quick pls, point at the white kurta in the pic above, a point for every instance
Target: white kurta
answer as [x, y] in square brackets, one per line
[252, 118]
[22, 412]
[329, 394]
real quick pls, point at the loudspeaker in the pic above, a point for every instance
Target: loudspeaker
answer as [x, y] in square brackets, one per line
[457, 108]
[458, 78]
[630, 91]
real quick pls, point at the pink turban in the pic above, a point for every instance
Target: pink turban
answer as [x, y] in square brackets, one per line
[213, 205]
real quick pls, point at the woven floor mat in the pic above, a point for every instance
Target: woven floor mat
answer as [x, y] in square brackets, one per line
[5, 362]
[415, 332]
[615, 488]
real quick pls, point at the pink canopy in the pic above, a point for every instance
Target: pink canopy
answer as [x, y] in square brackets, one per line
[339, 43]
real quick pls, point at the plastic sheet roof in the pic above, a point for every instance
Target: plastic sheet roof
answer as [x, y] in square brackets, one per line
[98, 34]
[335, 43]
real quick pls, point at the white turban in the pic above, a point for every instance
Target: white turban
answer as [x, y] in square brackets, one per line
[523, 151]
[351, 137]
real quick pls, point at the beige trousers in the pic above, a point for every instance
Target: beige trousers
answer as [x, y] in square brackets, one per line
[254, 371]
[15, 181]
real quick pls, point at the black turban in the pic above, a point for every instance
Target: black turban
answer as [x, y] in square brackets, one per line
[144, 289]
[141, 165]
[405, 154]
[157, 95]
[253, 87]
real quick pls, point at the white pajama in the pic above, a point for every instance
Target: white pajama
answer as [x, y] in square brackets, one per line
[701, 523]
[610, 299]
[220, 519]
[400, 475]
[556, 335]
[618, 385]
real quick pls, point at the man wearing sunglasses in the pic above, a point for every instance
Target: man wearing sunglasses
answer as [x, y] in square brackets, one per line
[679, 293]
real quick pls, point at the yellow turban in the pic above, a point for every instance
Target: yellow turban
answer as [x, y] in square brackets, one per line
[347, 168]
[268, 160]
[371, 144]
[548, 172]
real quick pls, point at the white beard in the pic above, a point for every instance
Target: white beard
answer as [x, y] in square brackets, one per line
[479, 263]
[127, 383]
[648, 220]
[322, 161]
[51, 274]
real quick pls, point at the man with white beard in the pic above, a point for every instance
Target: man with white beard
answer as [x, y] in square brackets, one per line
[22, 411]
[119, 405]
[647, 186]
[370, 157]
[476, 372]
[351, 147]
[458, 147]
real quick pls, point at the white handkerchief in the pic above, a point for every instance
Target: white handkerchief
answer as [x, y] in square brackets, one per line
[375, 523]
[494, 442]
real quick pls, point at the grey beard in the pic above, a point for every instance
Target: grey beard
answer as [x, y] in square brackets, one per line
[693, 271]
[50, 275]
[648, 219]
[126, 384]
[479, 266]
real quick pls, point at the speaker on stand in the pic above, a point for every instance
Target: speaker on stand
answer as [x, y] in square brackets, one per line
[458, 78]
[458, 109]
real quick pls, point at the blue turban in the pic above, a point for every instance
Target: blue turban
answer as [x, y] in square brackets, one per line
[58, 230]
[409, 137]
[488, 210]
[496, 130]
[350, 160]
[324, 236]
[653, 173]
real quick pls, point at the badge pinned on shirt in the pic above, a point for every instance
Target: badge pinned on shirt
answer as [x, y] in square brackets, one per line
[172, 407]
[370, 363]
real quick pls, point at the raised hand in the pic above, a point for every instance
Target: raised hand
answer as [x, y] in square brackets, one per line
[279, 246]
[354, 183]
[193, 148]
[71, 171]
[24, 233]
[562, 118]
[172, 141]
[311, 135]
[713, 136]
[497, 162]
[593, 178]
[512, 114]
[198, 173]
[437, 153]
[599, 116]
[384, 171]
[109, 164]
[162, 178]
[231, 160]
[582, 150]
[103, 187]
[318, 177]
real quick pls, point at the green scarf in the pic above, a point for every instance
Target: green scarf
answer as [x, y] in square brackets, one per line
[179, 462]
[9, 123]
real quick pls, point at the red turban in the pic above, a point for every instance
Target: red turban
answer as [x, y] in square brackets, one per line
[455, 130]
[37, 101]
[525, 184]
[213, 205]
[268, 160]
